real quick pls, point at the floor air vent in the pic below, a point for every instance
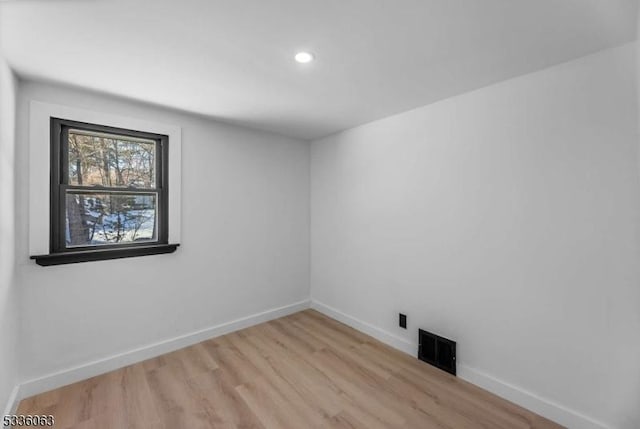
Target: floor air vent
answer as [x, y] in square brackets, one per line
[437, 351]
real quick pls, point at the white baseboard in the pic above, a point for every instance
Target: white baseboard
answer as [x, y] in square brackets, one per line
[531, 401]
[12, 402]
[110, 363]
[393, 340]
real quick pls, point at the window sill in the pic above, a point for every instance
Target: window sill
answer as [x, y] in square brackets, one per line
[103, 254]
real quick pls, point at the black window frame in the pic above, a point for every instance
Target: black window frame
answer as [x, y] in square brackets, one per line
[59, 253]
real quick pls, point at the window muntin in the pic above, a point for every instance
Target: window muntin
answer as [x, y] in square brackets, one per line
[109, 187]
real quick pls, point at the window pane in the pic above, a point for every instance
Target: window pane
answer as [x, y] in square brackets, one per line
[111, 160]
[95, 218]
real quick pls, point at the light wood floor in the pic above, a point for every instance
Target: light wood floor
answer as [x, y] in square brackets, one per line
[300, 371]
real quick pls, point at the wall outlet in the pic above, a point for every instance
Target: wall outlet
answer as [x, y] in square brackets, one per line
[402, 320]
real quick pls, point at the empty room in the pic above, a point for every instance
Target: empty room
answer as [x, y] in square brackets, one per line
[289, 214]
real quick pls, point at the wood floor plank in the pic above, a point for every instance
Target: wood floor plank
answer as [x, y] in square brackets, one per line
[176, 401]
[224, 403]
[73, 404]
[140, 408]
[300, 376]
[270, 406]
[281, 379]
[238, 369]
[304, 370]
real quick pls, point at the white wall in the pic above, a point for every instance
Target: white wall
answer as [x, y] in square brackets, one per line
[8, 289]
[506, 219]
[244, 247]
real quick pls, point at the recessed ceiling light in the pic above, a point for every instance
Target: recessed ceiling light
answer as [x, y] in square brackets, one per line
[304, 57]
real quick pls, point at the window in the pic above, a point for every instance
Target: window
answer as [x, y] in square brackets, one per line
[109, 193]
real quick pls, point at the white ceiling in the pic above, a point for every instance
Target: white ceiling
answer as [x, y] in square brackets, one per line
[233, 59]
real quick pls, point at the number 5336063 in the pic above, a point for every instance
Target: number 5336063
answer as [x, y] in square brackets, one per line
[14, 420]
